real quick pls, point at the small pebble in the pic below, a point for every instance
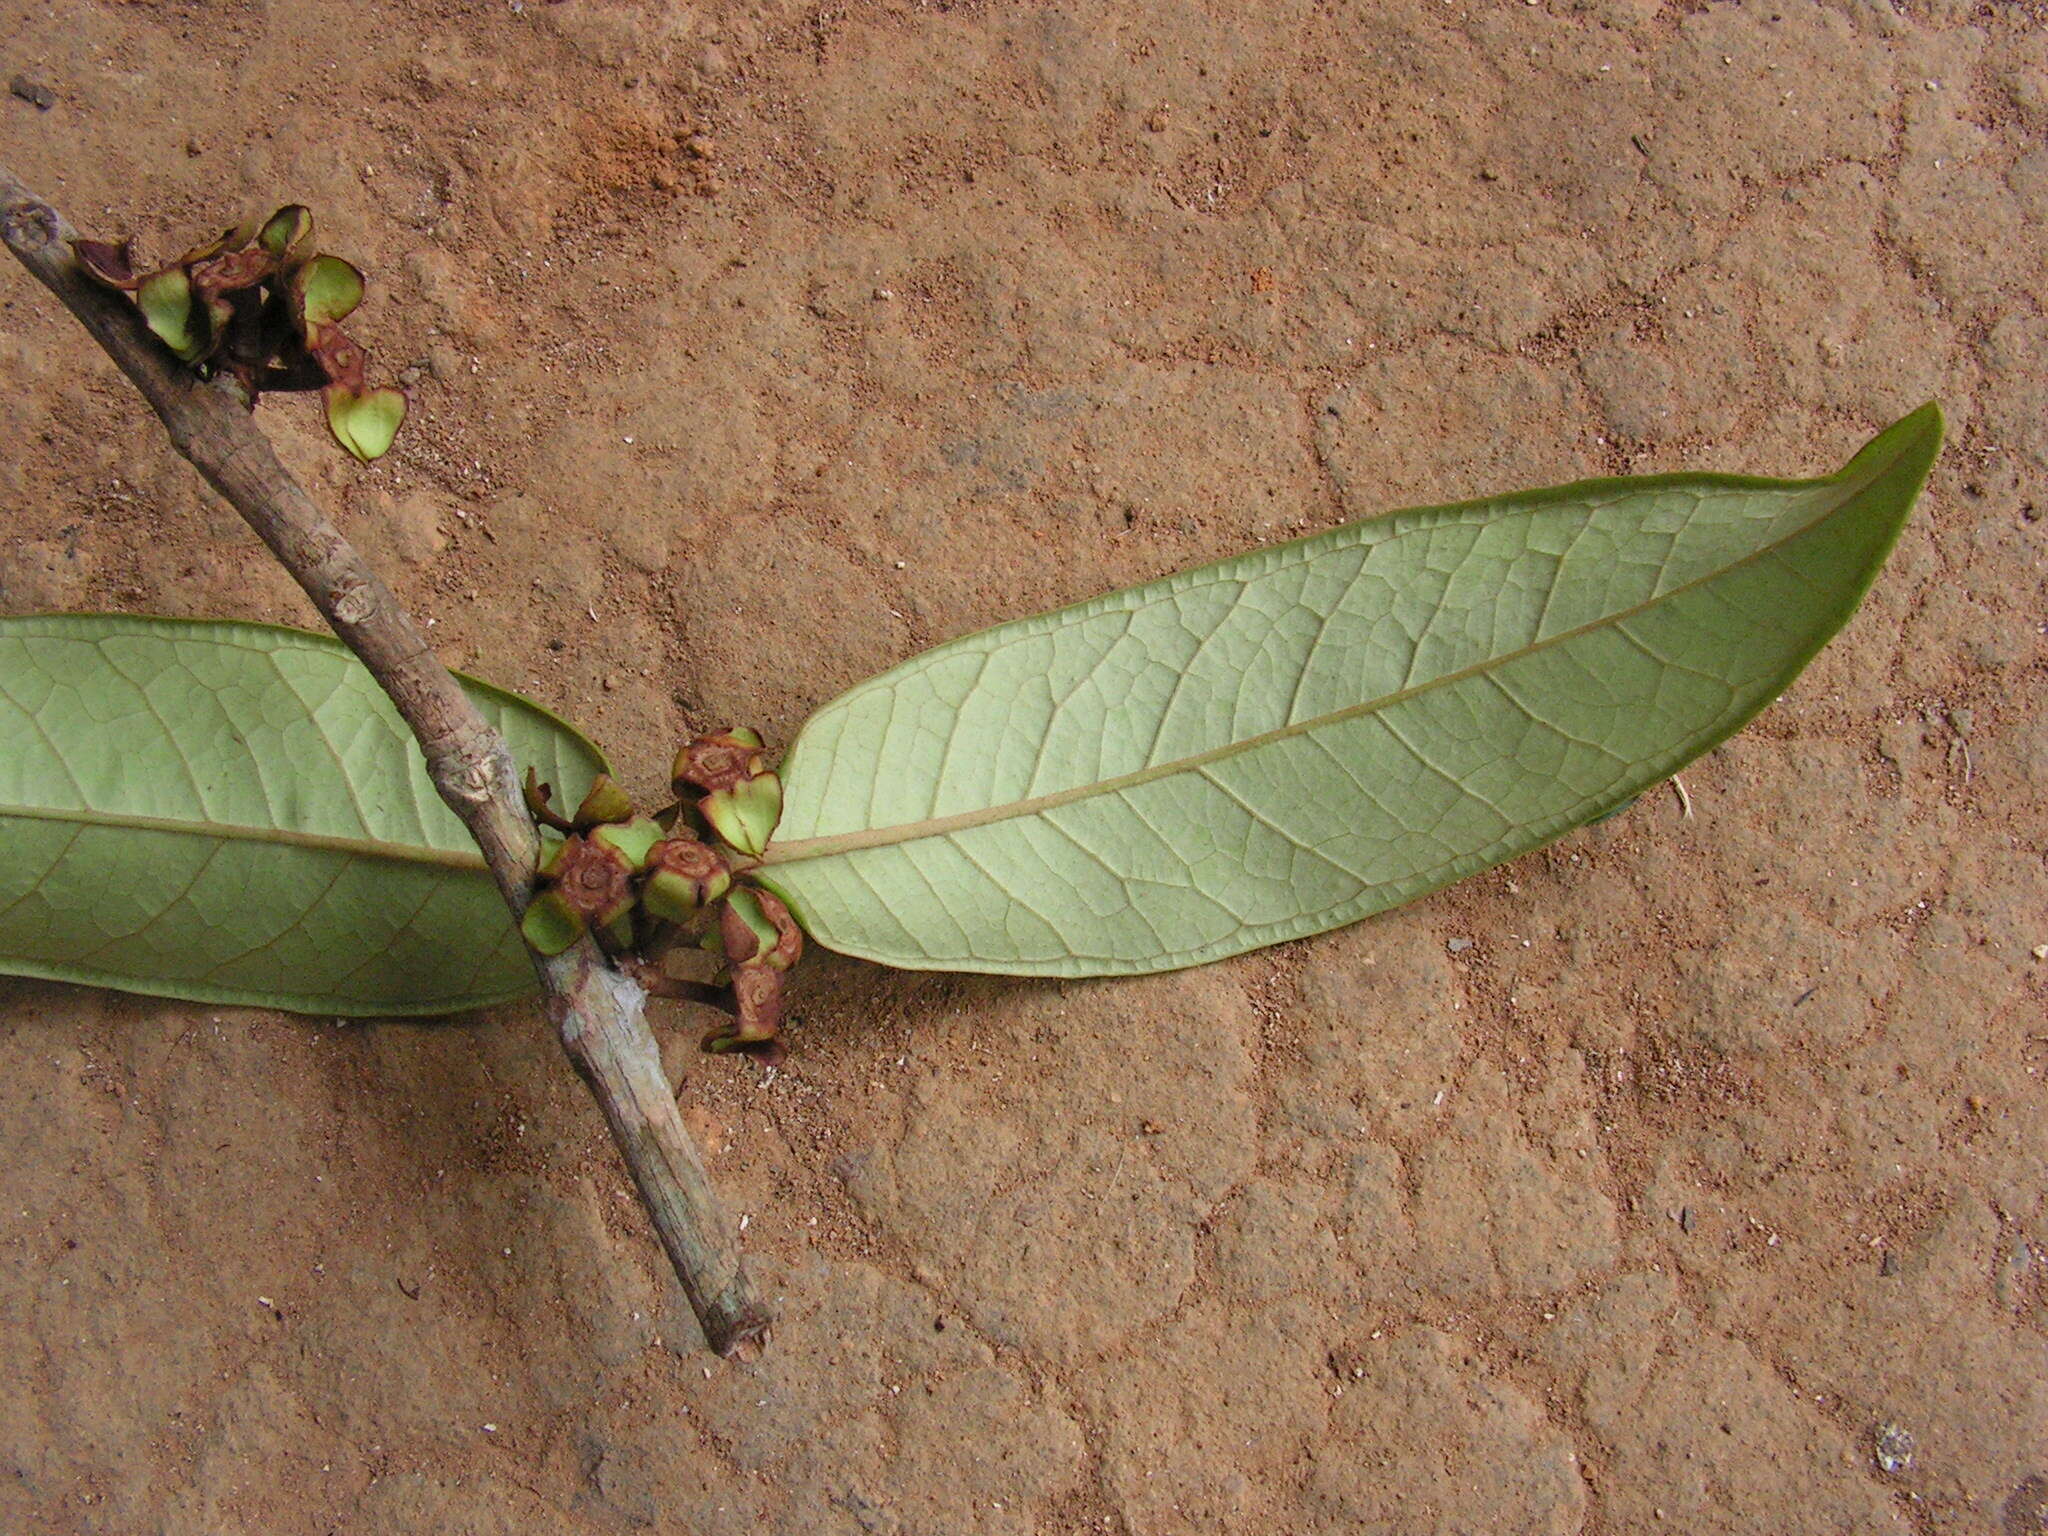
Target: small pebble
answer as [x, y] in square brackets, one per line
[1893, 1449]
[34, 92]
[1458, 946]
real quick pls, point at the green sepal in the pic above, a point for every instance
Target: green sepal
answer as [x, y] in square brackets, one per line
[550, 924]
[551, 855]
[605, 802]
[633, 840]
[165, 299]
[288, 234]
[365, 423]
[617, 934]
[230, 240]
[670, 896]
[745, 904]
[745, 815]
[324, 290]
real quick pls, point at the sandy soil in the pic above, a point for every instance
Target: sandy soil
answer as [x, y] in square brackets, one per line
[1701, 1190]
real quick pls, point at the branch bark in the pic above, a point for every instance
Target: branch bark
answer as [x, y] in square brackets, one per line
[599, 1012]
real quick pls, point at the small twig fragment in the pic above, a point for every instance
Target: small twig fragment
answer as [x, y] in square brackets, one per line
[1684, 799]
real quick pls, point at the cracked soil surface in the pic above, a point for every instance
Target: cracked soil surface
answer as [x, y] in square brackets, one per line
[1697, 1187]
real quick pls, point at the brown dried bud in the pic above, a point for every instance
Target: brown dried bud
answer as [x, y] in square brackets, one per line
[758, 931]
[232, 271]
[722, 760]
[757, 1030]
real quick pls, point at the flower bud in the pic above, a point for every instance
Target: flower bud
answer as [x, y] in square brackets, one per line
[683, 877]
[757, 1028]
[722, 760]
[232, 271]
[594, 878]
[758, 931]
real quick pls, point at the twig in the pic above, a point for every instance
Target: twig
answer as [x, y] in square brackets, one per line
[599, 1013]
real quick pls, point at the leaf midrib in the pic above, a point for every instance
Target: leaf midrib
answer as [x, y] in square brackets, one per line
[224, 831]
[802, 849]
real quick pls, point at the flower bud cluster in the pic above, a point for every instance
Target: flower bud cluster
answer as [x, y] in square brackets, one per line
[630, 880]
[262, 305]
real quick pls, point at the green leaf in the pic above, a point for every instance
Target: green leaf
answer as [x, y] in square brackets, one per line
[234, 813]
[1290, 740]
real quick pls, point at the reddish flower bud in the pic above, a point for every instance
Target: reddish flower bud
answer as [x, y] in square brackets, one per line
[758, 931]
[595, 879]
[723, 760]
[757, 1029]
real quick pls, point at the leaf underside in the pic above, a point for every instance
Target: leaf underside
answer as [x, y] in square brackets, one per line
[234, 813]
[1287, 741]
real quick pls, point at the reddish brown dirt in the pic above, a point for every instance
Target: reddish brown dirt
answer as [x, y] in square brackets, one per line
[753, 349]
